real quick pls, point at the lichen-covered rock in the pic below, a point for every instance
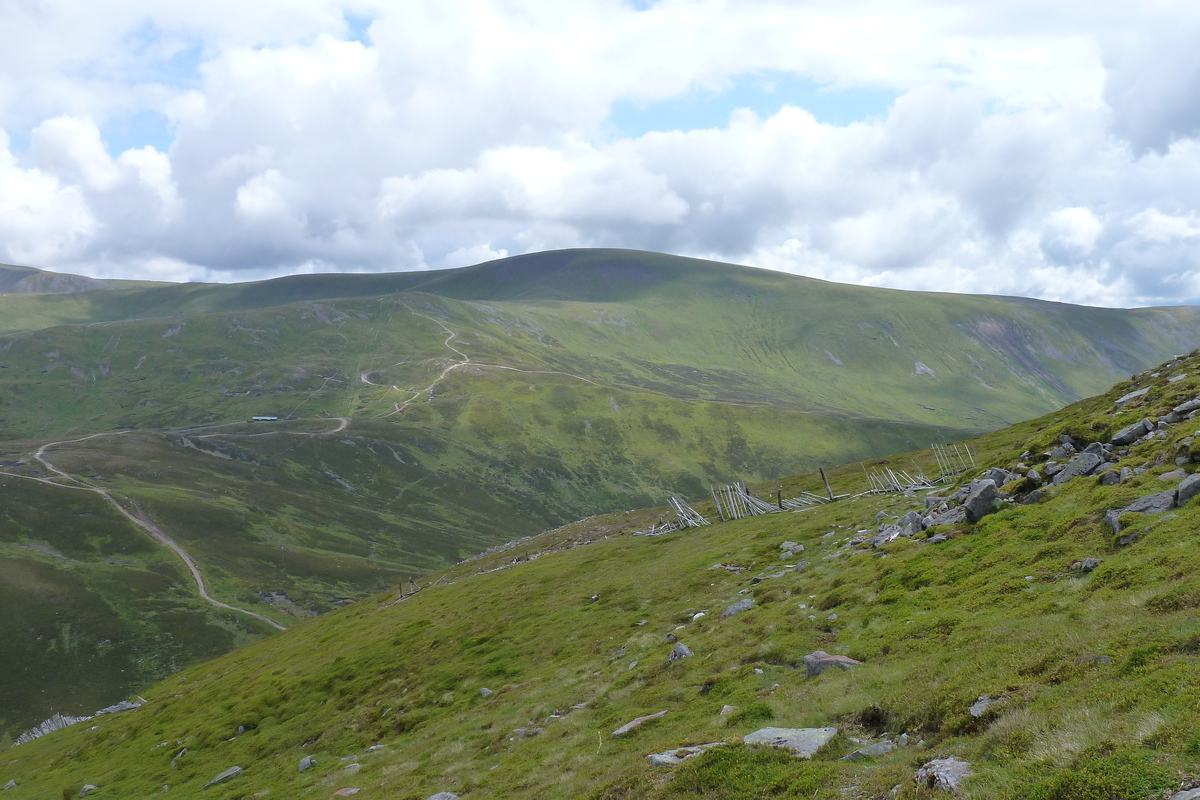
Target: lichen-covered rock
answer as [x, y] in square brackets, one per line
[681, 754]
[679, 652]
[946, 774]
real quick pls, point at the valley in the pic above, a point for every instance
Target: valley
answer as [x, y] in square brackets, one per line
[423, 418]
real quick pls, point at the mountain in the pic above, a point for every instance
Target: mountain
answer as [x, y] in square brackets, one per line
[1048, 640]
[425, 417]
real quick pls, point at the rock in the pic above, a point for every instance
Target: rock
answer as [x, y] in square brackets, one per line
[485, 693]
[1153, 503]
[790, 549]
[745, 604]
[727, 710]
[1173, 475]
[1065, 439]
[952, 516]
[1059, 452]
[1034, 476]
[1052, 467]
[817, 662]
[1082, 464]
[1131, 433]
[937, 538]
[1110, 477]
[443, 796]
[1126, 399]
[1095, 448]
[527, 732]
[998, 476]
[1188, 489]
[352, 768]
[1126, 474]
[980, 499]
[804, 742]
[228, 774]
[1089, 564]
[87, 787]
[1128, 539]
[637, 723]
[306, 762]
[672, 757]
[880, 748]
[943, 773]
[980, 706]
[933, 502]
[801, 565]
[1034, 497]
[1190, 794]
[12, 784]
[1189, 406]
[913, 521]
[679, 652]
[347, 791]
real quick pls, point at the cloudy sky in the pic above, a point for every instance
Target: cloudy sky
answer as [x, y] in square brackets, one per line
[1040, 149]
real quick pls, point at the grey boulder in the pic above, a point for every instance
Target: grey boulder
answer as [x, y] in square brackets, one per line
[803, 742]
[1188, 488]
[1082, 464]
[672, 757]
[679, 652]
[1131, 433]
[982, 495]
[306, 762]
[228, 774]
[946, 774]
[818, 661]
[745, 604]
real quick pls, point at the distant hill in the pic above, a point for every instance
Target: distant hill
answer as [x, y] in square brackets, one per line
[424, 417]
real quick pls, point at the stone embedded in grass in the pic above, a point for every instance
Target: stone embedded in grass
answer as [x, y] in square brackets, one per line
[790, 549]
[745, 604]
[880, 748]
[527, 732]
[12, 784]
[818, 661]
[804, 742]
[444, 796]
[228, 774]
[1082, 464]
[1147, 504]
[727, 710]
[672, 757]
[1189, 794]
[980, 706]
[637, 723]
[1125, 399]
[1173, 475]
[485, 693]
[347, 791]
[87, 787]
[306, 762]
[952, 516]
[679, 652]
[1131, 433]
[946, 774]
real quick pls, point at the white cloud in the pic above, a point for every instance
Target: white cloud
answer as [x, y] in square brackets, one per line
[1038, 150]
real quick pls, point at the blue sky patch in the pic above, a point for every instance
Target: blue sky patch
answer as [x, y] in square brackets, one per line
[763, 93]
[137, 130]
[358, 27]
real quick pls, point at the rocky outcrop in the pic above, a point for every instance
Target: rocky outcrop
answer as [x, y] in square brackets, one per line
[227, 775]
[1132, 433]
[1081, 464]
[981, 497]
[1149, 504]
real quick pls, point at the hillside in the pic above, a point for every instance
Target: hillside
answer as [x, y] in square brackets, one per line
[1052, 653]
[429, 416]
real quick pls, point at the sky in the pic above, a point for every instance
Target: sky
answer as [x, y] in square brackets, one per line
[1046, 150]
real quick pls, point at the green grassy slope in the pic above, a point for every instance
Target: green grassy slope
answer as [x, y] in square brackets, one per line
[1095, 674]
[597, 380]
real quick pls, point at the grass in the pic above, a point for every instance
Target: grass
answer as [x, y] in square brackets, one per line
[1095, 674]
